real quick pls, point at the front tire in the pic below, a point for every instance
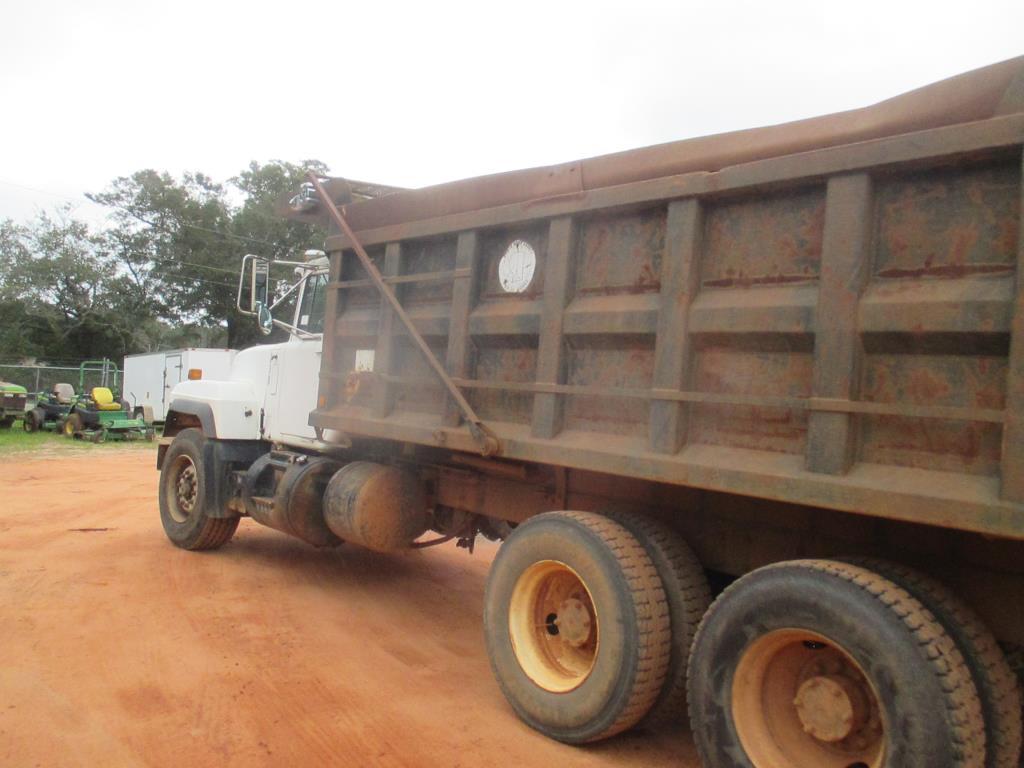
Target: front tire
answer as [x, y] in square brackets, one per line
[820, 664]
[577, 626]
[184, 498]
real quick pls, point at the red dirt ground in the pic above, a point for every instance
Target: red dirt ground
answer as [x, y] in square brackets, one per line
[119, 649]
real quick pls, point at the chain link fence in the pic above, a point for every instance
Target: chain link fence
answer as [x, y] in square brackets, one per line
[39, 378]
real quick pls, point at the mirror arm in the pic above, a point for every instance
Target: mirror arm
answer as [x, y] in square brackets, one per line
[241, 284]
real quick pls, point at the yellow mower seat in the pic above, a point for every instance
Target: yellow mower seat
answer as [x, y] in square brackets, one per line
[104, 399]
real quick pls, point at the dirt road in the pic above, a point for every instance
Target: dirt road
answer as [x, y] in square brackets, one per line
[119, 649]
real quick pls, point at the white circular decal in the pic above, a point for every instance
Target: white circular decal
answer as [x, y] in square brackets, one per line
[515, 270]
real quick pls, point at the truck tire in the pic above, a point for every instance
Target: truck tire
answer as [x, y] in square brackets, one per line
[821, 664]
[992, 675]
[577, 626]
[688, 595]
[183, 496]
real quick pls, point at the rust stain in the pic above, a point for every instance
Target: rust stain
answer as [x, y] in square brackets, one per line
[948, 223]
[728, 370]
[625, 363]
[745, 281]
[435, 255]
[765, 241]
[621, 254]
[934, 379]
[947, 270]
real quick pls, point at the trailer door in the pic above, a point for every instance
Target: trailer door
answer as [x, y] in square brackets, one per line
[172, 375]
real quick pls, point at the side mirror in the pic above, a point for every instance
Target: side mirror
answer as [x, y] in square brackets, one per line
[264, 318]
[307, 199]
[259, 293]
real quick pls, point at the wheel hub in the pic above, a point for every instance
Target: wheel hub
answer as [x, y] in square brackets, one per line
[187, 489]
[799, 700]
[831, 707]
[554, 626]
[182, 489]
[573, 622]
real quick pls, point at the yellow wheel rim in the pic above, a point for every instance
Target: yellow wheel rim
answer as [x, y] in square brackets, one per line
[799, 700]
[553, 626]
[69, 428]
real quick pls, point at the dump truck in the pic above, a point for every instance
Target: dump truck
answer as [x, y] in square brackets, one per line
[746, 413]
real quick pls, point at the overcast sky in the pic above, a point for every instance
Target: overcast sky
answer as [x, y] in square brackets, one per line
[420, 93]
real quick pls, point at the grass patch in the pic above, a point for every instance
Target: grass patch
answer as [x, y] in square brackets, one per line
[17, 440]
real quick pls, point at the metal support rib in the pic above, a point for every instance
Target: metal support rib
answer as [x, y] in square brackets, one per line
[484, 437]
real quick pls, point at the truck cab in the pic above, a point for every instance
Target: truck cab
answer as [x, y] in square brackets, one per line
[271, 388]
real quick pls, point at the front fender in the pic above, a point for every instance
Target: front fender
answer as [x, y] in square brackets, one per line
[227, 410]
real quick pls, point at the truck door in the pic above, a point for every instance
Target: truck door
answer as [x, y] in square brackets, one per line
[301, 370]
[270, 396]
[172, 375]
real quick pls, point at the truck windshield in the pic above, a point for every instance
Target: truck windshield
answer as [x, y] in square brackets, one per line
[311, 311]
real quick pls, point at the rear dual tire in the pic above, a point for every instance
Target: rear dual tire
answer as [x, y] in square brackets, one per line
[822, 664]
[993, 677]
[577, 626]
[688, 596]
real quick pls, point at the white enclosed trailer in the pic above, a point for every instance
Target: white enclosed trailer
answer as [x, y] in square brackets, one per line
[150, 377]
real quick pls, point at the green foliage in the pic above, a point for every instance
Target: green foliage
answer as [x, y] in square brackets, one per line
[60, 290]
[163, 274]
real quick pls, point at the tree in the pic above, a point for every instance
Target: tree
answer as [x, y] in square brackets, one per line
[63, 291]
[163, 274]
[182, 241]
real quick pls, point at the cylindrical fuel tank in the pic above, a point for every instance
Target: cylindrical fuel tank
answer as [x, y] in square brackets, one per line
[296, 506]
[379, 507]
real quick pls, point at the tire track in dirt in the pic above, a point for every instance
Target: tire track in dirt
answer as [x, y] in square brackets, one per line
[122, 650]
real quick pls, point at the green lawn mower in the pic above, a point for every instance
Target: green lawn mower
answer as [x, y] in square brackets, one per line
[95, 414]
[98, 416]
[12, 403]
[51, 408]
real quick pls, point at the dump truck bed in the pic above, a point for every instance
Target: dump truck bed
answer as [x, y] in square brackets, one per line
[828, 313]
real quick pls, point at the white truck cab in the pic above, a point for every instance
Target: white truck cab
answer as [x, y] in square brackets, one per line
[271, 388]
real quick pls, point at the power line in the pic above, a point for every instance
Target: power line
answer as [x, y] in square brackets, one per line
[198, 279]
[203, 229]
[186, 224]
[193, 264]
[43, 191]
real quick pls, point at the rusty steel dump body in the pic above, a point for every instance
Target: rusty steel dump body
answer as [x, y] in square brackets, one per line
[826, 314]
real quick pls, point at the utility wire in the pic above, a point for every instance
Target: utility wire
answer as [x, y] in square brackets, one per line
[186, 224]
[192, 264]
[154, 225]
[197, 279]
[157, 226]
